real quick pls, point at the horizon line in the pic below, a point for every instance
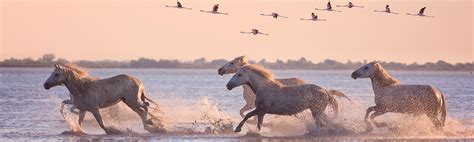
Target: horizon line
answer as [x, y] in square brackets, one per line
[267, 60]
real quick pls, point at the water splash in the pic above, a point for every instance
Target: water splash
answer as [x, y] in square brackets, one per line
[210, 119]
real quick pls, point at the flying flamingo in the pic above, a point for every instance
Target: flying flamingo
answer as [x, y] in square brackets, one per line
[178, 5]
[274, 15]
[328, 8]
[387, 10]
[350, 5]
[214, 10]
[421, 13]
[314, 17]
[254, 32]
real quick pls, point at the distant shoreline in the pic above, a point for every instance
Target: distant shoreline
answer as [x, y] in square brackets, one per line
[467, 71]
[49, 60]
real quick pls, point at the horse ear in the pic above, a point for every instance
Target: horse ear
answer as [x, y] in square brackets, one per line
[242, 59]
[376, 64]
[58, 66]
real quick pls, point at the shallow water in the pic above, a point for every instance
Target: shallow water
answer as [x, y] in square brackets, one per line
[28, 112]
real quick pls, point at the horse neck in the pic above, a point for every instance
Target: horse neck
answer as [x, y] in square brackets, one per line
[257, 83]
[76, 85]
[382, 79]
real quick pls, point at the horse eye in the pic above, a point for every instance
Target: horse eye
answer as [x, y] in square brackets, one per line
[232, 63]
[56, 74]
[366, 68]
[239, 75]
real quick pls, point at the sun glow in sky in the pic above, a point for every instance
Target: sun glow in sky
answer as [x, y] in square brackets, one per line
[124, 30]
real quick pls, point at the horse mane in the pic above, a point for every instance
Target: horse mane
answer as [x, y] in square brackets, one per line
[243, 59]
[80, 75]
[382, 75]
[263, 72]
[77, 71]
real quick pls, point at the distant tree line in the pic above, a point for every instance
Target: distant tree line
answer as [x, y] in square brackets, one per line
[48, 60]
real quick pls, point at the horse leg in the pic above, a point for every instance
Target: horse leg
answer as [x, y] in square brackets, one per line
[370, 109]
[247, 107]
[249, 98]
[318, 117]
[98, 117]
[143, 115]
[141, 110]
[260, 120]
[369, 127]
[82, 114]
[375, 114]
[435, 121]
[250, 114]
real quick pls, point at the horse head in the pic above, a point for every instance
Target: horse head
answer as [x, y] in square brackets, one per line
[233, 66]
[56, 78]
[366, 71]
[241, 77]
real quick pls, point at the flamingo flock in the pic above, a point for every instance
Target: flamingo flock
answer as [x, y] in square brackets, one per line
[314, 17]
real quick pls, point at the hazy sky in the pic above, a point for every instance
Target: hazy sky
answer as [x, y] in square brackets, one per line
[128, 29]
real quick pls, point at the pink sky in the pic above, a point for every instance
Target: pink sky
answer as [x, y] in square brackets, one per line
[126, 29]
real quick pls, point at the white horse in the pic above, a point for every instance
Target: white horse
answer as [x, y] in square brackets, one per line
[274, 98]
[91, 94]
[249, 96]
[391, 96]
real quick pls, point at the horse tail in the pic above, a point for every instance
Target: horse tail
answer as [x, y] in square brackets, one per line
[333, 103]
[443, 110]
[340, 94]
[144, 97]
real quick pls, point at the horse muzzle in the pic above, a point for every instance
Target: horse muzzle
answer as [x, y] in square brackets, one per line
[220, 71]
[46, 86]
[354, 75]
[230, 86]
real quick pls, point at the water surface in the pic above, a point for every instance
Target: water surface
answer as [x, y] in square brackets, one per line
[28, 112]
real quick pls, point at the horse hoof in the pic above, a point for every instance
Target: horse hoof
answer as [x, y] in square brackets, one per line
[149, 122]
[238, 129]
[113, 131]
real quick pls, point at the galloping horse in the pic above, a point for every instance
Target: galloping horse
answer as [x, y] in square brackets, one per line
[249, 96]
[91, 94]
[391, 96]
[274, 98]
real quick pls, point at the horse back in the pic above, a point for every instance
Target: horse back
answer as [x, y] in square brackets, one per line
[117, 86]
[291, 81]
[120, 80]
[301, 90]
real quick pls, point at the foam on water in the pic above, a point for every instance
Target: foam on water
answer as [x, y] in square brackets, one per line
[204, 117]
